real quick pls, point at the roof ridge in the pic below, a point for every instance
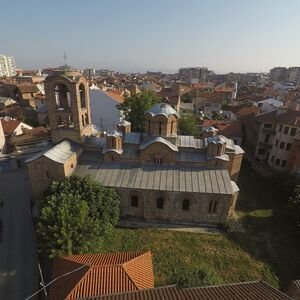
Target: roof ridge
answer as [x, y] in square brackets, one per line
[221, 285]
[138, 256]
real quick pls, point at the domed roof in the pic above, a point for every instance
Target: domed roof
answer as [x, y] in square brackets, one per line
[65, 68]
[162, 109]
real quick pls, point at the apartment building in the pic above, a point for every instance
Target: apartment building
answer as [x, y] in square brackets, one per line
[274, 138]
[7, 66]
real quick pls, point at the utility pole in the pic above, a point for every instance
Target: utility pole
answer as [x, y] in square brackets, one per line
[42, 281]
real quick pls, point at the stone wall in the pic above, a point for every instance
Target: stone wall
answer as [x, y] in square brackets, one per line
[161, 150]
[234, 166]
[172, 211]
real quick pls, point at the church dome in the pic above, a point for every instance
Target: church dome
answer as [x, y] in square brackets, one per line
[162, 109]
[65, 68]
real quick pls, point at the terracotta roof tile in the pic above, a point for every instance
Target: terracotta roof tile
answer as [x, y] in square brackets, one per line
[103, 274]
[116, 97]
[226, 128]
[257, 290]
[9, 126]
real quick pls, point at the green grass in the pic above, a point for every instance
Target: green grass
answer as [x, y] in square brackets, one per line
[268, 250]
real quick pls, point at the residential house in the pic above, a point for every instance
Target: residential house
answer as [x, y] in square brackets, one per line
[6, 101]
[12, 127]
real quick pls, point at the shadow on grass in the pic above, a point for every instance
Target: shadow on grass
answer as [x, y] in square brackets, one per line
[271, 234]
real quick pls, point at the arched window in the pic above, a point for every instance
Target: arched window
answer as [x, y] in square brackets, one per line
[185, 204]
[86, 119]
[82, 96]
[160, 202]
[148, 125]
[82, 120]
[62, 97]
[159, 128]
[158, 160]
[134, 201]
[113, 143]
[172, 127]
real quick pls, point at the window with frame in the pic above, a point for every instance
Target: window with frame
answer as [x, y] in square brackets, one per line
[186, 204]
[160, 202]
[282, 144]
[293, 131]
[286, 130]
[261, 151]
[82, 96]
[134, 201]
[288, 146]
[158, 160]
[277, 162]
[82, 120]
[213, 204]
[283, 163]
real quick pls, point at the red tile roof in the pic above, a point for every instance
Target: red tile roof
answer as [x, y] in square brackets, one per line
[115, 96]
[226, 128]
[101, 274]
[9, 126]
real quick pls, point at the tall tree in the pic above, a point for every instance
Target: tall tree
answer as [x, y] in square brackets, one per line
[75, 216]
[135, 106]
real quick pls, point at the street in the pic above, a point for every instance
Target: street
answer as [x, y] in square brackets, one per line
[18, 256]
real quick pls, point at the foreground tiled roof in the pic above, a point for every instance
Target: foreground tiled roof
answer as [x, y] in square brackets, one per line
[257, 290]
[161, 293]
[101, 274]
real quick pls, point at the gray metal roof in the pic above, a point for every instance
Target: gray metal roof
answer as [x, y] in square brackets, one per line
[162, 109]
[158, 177]
[132, 138]
[220, 139]
[158, 139]
[188, 141]
[60, 153]
[115, 133]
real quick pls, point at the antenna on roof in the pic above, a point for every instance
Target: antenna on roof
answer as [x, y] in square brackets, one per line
[65, 57]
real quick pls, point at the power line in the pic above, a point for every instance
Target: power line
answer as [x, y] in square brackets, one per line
[45, 286]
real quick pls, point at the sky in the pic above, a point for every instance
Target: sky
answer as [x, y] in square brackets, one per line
[157, 35]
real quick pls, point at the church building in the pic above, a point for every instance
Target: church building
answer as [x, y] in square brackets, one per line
[159, 174]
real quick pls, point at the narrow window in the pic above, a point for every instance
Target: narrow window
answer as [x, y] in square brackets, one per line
[69, 99]
[47, 174]
[59, 121]
[280, 128]
[286, 130]
[282, 144]
[276, 143]
[160, 203]
[267, 138]
[86, 119]
[72, 166]
[134, 201]
[82, 120]
[215, 207]
[149, 125]
[158, 160]
[293, 131]
[288, 146]
[186, 204]
[277, 162]
[82, 96]
[159, 129]
[172, 125]
[210, 206]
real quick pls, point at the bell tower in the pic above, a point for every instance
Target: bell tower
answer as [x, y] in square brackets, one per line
[67, 95]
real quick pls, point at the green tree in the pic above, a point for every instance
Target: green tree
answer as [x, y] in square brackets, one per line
[294, 203]
[187, 125]
[135, 106]
[75, 216]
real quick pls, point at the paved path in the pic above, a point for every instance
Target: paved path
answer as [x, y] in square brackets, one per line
[201, 228]
[18, 257]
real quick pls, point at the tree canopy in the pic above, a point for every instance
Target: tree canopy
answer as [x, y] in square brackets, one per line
[75, 216]
[187, 125]
[135, 106]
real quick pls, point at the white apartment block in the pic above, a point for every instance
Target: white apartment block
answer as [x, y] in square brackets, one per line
[7, 66]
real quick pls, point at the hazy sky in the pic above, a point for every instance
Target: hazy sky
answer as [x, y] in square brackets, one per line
[138, 35]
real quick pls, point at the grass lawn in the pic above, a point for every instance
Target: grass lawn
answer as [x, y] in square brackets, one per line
[268, 250]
